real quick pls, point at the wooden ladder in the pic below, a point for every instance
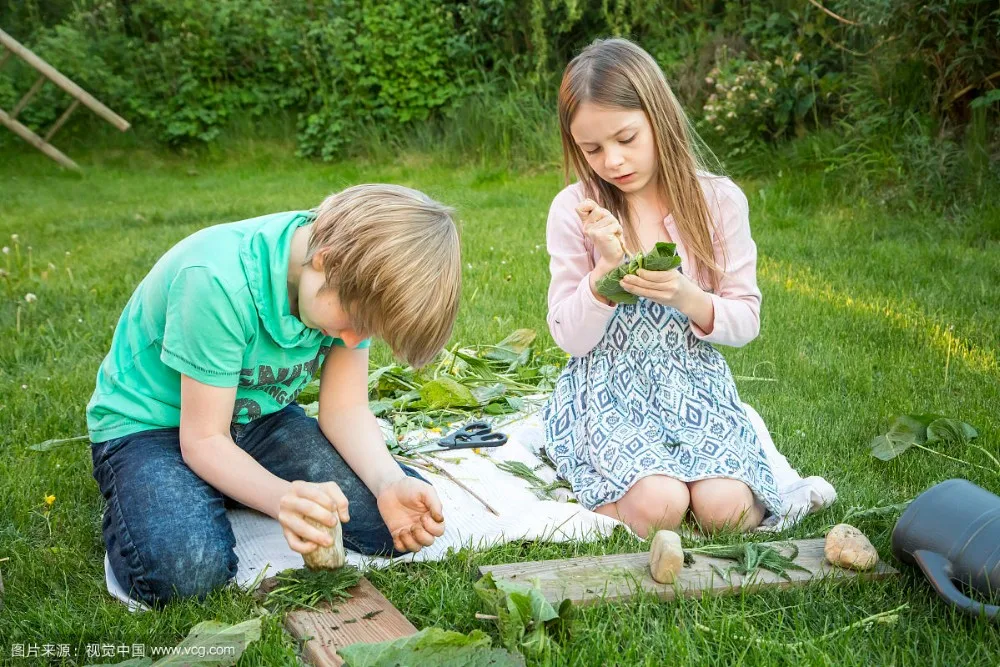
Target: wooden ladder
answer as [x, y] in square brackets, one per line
[8, 46]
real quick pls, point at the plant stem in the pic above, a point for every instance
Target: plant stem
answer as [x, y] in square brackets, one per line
[951, 458]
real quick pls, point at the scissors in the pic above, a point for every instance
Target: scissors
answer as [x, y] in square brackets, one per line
[473, 434]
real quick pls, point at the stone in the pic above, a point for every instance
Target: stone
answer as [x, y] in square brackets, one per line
[847, 547]
[666, 556]
[331, 557]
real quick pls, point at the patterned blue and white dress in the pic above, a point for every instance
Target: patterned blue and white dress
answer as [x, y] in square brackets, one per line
[651, 399]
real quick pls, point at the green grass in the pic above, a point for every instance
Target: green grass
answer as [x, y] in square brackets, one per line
[867, 313]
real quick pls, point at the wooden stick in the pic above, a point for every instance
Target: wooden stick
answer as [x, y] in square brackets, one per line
[62, 119]
[36, 141]
[839, 18]
[56, 77]
[486, 617]
[19, 107]
[439, 470]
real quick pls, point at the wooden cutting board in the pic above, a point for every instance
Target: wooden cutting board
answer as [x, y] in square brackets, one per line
[591, 579]
[366, 617]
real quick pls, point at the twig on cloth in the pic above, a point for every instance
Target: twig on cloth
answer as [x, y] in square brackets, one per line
[429, 466]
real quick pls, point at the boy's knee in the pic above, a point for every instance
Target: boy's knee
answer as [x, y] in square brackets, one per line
[188, 573]
[655, 502]
[723, 503]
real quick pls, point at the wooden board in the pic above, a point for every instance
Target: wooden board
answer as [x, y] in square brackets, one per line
[593, 579]
[326, 631]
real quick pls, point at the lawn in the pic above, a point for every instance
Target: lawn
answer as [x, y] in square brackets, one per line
[867, 313]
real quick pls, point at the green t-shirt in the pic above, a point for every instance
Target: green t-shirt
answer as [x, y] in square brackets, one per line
[215, 308]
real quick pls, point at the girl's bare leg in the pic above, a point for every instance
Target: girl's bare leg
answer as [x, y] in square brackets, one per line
[720, 502]
[654, 502]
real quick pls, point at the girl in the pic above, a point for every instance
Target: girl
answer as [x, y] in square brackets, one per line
[645, 421]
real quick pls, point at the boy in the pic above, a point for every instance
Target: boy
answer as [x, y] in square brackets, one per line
[194, 408]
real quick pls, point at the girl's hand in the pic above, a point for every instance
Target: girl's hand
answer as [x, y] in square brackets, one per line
[316, 501]
[669, 288]
[604, 231]
[411, 510]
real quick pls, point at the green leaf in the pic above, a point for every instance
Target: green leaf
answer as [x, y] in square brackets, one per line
[309, 393]
[486, 395]
[950, 432]
[663, 257]
[380, 407]
[56, 442]
[214, 643]
[905, 431]
[886, 449]
[517, 342]
[431, 646]
[445, 392]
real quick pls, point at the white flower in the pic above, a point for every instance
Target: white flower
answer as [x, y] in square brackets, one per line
[710, 118]
[752, 96]
[719, 128]
[797, 57]
[24, 386]
[709, 80]
[731, 114]
[6, 250]
[15, 238]
[30, 298]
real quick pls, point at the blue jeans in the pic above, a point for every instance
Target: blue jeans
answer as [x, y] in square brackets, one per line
[166, 529]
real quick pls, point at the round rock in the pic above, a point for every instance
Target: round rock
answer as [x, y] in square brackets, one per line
[327, 558]
[666, 556]
[846, 546]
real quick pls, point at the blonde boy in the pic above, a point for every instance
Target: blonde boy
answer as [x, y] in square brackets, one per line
[194, 407]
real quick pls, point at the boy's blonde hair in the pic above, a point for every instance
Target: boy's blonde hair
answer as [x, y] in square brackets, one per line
[393, 258]
[616, 73]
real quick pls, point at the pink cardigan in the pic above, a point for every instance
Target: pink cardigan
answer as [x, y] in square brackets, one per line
[577, 319]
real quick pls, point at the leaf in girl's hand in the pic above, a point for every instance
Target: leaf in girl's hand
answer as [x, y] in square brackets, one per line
[610, 286]
[663, 257]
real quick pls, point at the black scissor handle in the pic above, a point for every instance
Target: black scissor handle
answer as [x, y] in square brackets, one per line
[473, 434]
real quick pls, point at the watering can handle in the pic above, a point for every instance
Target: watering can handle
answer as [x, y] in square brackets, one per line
[937, 569]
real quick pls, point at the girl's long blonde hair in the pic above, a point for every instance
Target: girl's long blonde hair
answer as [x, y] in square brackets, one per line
[616, 73]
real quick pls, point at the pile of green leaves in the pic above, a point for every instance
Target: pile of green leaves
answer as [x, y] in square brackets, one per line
[464, 382]
[305, 588]
[527, 622]
[663, 257]
[920, 431]
[750, 557]
[431, 646]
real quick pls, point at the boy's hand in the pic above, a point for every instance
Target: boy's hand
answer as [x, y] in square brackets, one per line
[316, 501]
[412, 511]
[604, 231]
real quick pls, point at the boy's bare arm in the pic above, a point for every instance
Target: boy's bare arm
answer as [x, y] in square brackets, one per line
[209, 450]
[347, 422]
